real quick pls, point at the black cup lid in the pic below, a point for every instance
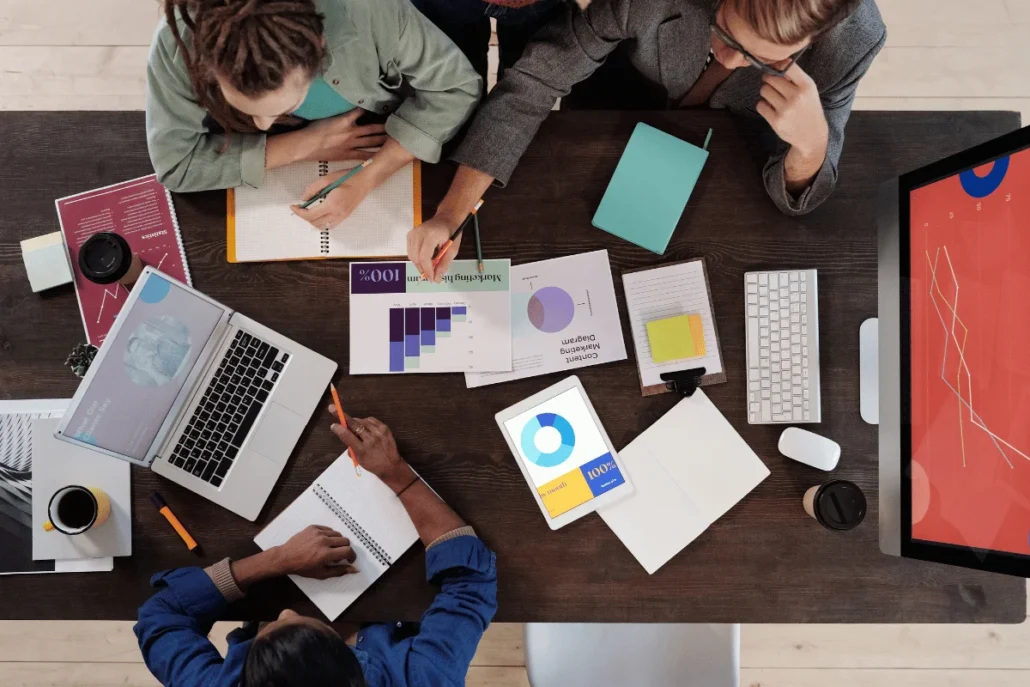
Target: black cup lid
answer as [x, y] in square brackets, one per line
[840, 505]
[105, 258]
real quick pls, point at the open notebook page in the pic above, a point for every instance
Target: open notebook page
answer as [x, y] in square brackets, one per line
[663, 292]
[372, 505]
[267, 229]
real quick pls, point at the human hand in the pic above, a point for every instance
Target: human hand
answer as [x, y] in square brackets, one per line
[374, 448]
[425, 239]
[793, 109]
[339, 204]
[317, 552]
[340, 137]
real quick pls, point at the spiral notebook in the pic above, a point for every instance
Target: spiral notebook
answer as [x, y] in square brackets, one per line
[362, 509]
[260, 227]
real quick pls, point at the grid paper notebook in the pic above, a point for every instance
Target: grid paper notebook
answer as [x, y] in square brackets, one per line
[260, 227]
[362, 509]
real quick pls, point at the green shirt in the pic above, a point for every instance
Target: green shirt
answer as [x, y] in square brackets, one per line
[382, 56]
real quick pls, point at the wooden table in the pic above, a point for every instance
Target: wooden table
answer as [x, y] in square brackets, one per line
[765, 561]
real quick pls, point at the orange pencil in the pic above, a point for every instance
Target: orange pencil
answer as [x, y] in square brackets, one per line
[343, 421]
[450, 242]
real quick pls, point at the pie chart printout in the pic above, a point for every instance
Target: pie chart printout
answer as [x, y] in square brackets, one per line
[551, 309]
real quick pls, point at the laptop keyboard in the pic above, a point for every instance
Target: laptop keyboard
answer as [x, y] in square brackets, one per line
[231, 403]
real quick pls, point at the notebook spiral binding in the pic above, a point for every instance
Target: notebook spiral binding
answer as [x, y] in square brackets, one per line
[323, 170]
[353, 526]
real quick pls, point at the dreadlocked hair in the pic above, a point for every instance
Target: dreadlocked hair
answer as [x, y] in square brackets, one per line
[252, 44]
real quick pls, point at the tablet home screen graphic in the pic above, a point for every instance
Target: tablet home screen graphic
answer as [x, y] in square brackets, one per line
[970, 355]
[566, 456]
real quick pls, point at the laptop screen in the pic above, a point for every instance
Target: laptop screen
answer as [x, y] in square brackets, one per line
[144, 368]
[969, 264]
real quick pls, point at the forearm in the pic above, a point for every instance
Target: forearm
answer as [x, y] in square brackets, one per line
[386, 162]
[257, 568]
[431, 516]
[286, 149]
[468, 187]
[800, 168]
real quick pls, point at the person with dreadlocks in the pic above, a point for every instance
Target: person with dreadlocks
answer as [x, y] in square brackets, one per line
[298, 651]
[229, 81]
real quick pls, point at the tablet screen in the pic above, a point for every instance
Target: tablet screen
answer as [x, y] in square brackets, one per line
[564, 452]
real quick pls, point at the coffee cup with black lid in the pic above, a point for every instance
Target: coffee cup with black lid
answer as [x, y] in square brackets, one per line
[106, 258]
[836, 505]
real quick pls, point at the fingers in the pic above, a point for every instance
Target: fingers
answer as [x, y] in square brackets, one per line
[342, 554]
[778, 85]
[351, 118]
[444, 262]
[318, 215]
[766, 111]
[797, 75]
[773, 96]
[424, 261]
[316, 186]
[370, 141]
[369, 130]
[328, 531]
[346, 436]
[375, 426]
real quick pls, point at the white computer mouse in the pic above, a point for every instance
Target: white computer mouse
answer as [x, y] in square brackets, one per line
[809, 448]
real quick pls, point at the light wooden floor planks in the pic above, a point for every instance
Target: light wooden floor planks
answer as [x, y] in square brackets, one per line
[940, 55]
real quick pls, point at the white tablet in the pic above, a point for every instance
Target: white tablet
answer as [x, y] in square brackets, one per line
[564, 453]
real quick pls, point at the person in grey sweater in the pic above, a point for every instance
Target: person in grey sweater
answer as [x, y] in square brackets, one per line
[794, 63]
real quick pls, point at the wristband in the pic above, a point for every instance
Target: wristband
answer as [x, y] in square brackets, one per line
[410, 485]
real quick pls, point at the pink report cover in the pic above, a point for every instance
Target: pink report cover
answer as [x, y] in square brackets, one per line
[139, 210]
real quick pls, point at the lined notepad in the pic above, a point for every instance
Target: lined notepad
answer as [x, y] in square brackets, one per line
[662, 292]
[261, 227]
[362, 509]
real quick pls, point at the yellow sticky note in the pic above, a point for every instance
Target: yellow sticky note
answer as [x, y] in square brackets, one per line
[676, 338]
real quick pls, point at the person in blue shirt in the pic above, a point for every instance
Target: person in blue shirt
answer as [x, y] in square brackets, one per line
[297, 651]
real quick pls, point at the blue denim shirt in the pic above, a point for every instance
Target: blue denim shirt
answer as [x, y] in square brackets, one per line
[173, 626]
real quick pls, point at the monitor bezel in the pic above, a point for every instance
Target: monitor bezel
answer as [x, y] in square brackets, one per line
[969, 557]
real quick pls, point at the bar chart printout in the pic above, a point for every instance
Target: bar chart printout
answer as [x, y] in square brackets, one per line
[401, 323]
[414, 333]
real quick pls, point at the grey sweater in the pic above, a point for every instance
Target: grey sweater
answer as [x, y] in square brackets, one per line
[667, 41]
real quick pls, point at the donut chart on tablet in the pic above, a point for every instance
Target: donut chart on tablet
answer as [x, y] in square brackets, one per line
[540, 423]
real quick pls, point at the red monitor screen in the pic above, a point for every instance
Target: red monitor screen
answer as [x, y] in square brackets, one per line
[970, 357]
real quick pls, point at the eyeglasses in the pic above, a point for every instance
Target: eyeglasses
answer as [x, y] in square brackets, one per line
[758, 64]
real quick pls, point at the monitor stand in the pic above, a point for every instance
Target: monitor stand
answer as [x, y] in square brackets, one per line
[869, 370]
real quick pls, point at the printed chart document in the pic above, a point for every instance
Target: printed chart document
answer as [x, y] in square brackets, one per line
[564, 316]
[663, 292]
[260, 226]
[401, 323]
[362, 509]
[688, 470]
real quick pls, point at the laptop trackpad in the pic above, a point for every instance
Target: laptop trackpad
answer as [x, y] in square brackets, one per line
[276, 433]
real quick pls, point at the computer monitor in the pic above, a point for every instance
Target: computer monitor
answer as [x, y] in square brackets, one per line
[954, 311]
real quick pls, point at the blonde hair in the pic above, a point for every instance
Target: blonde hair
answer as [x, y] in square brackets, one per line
[787, 22]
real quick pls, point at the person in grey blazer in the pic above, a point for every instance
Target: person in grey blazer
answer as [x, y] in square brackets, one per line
[794, 63]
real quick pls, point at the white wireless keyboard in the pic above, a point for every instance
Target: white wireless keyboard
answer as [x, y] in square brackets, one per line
[782, 316]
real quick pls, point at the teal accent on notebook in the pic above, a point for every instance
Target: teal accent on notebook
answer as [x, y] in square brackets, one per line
[322, 102]
[650, 188]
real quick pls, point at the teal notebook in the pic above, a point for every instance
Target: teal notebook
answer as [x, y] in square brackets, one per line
[650, 188]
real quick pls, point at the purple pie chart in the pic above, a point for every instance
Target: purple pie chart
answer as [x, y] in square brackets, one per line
[551, 309]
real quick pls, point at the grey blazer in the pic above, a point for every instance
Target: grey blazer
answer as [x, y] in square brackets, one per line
[668, 42]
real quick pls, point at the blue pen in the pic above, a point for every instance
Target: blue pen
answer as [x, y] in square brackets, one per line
[335, 185]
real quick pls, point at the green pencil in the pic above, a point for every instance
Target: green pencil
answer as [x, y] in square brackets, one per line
[479, 244]
[335, 185]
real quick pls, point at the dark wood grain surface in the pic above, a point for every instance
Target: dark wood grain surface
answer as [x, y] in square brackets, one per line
[765, 561]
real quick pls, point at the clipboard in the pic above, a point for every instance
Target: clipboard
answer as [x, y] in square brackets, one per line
[678, 288]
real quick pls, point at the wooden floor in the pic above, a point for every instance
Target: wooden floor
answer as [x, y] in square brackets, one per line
[940, 54]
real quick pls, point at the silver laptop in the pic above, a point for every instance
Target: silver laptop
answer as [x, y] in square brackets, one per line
[202, 395]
